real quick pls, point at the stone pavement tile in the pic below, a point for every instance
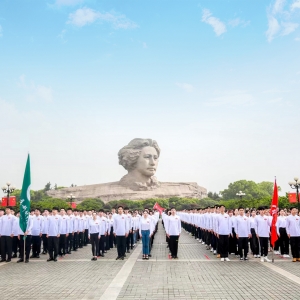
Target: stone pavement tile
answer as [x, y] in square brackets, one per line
[291, 267]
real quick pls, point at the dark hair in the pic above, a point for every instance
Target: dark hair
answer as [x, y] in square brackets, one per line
[241, 207]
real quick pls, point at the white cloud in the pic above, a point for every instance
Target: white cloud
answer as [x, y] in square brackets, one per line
[36, 92]
[289, 28]
[1, 31]
[186, 86]
[68, 2]
[218, 26]
[145, 45]
[295, 4]
[238, 22]
[273, 28]
[85, 15]
[278, 6]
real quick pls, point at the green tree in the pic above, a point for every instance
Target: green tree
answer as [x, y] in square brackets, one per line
[90, 203]
[47, 187]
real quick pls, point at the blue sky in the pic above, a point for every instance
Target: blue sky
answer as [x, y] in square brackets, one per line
[216, 83]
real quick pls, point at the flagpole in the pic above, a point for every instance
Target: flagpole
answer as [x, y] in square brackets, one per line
[24, 238]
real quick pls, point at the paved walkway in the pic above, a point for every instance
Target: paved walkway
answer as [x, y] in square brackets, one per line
[197, 274]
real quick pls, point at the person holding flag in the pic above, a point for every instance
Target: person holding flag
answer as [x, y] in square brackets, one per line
[273, 213]
[25, 220]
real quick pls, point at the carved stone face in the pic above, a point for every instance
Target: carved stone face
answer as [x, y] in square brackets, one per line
[147, 161]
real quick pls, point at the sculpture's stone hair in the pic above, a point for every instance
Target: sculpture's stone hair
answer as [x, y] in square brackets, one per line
[129, 154]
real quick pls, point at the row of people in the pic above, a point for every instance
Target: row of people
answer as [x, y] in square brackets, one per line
[66, 231]
[227, 231]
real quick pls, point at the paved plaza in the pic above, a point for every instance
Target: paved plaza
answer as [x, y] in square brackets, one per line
[197, 274]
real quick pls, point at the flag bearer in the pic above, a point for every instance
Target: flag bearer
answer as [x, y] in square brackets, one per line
[21, 236]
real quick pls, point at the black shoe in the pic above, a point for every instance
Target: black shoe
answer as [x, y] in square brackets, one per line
[14, 256]
[241, 258]
[27, 261]
[8, 260]
[175, 257]
[246, 258]
[49, 259]
[37, 256]
[44, 252]
[20, 260]
[128, 251]
[2, 260]
[118, 257]
[122, 257]
[55, 259]
[102, 255]
[32, 256]
[69, 252]
[75, 250]
[150, 255]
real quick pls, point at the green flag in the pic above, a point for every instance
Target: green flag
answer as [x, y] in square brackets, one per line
[25, 198]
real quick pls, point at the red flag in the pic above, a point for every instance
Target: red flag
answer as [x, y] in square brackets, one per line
[274, 209]
[158, 207]
[292, 197]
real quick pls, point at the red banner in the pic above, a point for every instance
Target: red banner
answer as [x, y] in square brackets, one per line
[73, 205]
[273, 211]
[292, 197]
[12, 201]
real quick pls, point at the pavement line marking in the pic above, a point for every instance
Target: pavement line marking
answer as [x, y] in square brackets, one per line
[282, 272]
[113, 290]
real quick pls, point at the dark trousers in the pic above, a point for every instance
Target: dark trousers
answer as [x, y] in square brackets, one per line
[36, 245]
[107, 247]
[86, 237]
[223, 245]
[121, 245]
[6, 247]
[27, 246]
[101, 244]
[264, 244]
[174, 245]
[208, 238]
[232, 243]
[69, 243]
[53, 246]
[283, 241]
[45, 243]
[254, 242]
[75, 241]
[243, 245]
[295, 246]
[15, 244]
[80, 239]
[62, 244]
[111, 238]
[95, 243]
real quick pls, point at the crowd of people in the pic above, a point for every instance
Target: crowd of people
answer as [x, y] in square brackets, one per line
[59, 232]
[225, 232]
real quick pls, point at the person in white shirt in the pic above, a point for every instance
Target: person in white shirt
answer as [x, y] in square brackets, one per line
[53, 234]
[293, 232]
[94, 234]
[253, 241]
[173, 230]
[282, 235]
[223, 230]
[103, 225]
[146, 229]
[111, 230]
[243, 233]
[44, 231]
[121, 230]
[262, 229]
[6, 233]
[70, 237]
[21, 236]
[81, 229]
[63, 233]
[36, 233]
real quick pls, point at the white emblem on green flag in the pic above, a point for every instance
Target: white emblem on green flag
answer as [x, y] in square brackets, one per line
[25, 197]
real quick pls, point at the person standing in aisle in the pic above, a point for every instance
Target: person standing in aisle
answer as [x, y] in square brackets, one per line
[173, 232]
[146, 229]
[69, 244]
[262, 229]
[223, 230]
[53, 235]
[94, 234]
[282, 235]
[6, 233]
[293, 232]
[36, 234]
[129, 221]
[121, 230]
[243, 233]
